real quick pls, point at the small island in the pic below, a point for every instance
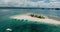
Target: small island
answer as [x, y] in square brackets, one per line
[37, 16]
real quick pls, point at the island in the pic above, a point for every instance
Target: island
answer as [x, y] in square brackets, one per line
[34, 18]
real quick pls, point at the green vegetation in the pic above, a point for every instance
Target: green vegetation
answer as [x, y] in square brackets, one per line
[37, 16]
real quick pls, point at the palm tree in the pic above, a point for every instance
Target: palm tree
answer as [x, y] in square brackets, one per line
[31, 15]
[41, 17]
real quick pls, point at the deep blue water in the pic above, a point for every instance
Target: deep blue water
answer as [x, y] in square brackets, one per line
[5, 22]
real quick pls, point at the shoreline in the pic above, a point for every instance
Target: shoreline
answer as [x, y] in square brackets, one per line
[27, 17]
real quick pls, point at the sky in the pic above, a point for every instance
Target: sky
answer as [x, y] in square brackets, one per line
[30, 3]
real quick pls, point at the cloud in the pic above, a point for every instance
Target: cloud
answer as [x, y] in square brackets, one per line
[29, 3]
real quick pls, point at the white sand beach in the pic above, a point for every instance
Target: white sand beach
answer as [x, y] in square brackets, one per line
[27, 17]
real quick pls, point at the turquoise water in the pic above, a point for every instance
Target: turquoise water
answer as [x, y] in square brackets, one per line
[25, 25]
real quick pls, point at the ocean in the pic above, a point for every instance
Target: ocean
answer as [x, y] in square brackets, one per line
[25, 25]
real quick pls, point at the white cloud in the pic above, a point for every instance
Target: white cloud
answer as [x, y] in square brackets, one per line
[53, 0]
[28, 3]
[55, 4]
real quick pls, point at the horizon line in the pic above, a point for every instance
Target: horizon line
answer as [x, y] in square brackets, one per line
[28, 8]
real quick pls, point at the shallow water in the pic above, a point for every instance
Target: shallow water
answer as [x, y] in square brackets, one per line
[5, 22]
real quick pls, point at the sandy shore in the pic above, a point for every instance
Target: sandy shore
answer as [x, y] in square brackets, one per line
[27, 17]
